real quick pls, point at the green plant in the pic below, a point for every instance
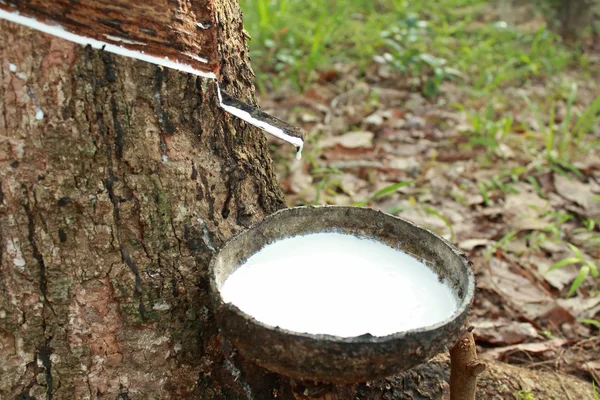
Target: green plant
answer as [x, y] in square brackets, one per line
[554, 227]
[547, 334]
[484, 193]
[386, 191]
[524, 395]
[495, 56]
[536, 185]
[446, 221]
[588, 120]
[489, 131]
[502, 182]
[409, 53]
[563, 141]
[589, 224]
[592, 322]
[292, 39]
[328, 184]
[500, 243]
[587, 268]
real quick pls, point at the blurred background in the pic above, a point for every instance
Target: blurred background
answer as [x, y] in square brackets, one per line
[477, 119]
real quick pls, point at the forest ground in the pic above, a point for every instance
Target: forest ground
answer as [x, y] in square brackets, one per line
[469, 117]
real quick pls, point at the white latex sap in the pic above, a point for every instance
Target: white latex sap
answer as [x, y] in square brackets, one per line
[331, 283]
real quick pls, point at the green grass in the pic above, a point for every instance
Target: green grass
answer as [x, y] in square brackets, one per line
[563, 140]
[386, 191]
[464, 41]
[294, 40]
[524, 395]
[586, 268]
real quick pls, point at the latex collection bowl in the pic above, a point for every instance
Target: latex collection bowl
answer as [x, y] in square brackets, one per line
[335, 359]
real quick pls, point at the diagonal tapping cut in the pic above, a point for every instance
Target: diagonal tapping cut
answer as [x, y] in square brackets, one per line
[202, 66]
[261, 119]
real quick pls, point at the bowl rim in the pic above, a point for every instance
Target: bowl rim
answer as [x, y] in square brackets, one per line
[367, 338]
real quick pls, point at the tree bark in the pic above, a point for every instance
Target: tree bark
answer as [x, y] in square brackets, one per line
[118, 180]
[112, 203]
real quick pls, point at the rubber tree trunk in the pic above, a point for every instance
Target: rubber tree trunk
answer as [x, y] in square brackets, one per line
[118, 179]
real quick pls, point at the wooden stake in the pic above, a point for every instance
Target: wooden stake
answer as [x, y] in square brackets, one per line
[464, 368]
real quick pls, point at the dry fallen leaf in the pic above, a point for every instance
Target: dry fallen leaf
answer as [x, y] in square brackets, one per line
[404, 164]
[517, 246]
[503, 332]
[470, 244]
[355, 96]
[579, 193]
[549, 314]
[581, 308]
[522, 295]
[593, 367]
[391, 97]
[554, 247]
[588, 242]
[350, 140]
[377, 119]
[515, 287]
[523, 211]
[547, 349]
[558, 278]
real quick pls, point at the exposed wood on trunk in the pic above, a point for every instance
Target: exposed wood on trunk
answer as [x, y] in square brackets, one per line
[183, 31]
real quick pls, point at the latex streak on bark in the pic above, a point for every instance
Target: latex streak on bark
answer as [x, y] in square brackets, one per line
[129, 42]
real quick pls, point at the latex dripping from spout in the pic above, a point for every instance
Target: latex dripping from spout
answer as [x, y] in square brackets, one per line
[299, 152]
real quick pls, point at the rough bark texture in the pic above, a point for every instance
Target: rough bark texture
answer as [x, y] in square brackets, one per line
[118, 179]
[573, 16]
[181, 30]
[111, 205]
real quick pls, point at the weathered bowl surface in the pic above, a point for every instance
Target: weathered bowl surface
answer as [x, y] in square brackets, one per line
[331, 358]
